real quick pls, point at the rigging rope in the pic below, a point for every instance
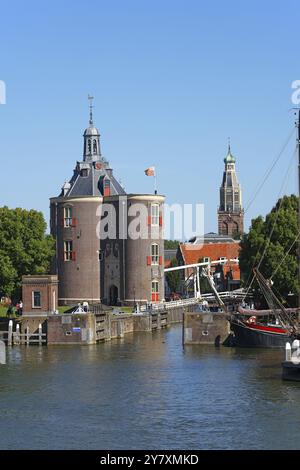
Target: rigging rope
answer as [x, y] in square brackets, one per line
[284, 183]
[269, 171]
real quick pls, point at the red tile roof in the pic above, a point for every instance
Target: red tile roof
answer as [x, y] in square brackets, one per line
[192, 253]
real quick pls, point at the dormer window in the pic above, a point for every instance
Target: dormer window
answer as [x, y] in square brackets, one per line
[84, 172]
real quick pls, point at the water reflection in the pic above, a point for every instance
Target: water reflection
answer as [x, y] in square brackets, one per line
[146, 391]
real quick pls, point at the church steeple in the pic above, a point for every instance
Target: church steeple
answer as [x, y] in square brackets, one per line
[230, 212]
[91, 145]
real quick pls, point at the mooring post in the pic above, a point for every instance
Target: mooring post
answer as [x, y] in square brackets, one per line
[17, 334]
[40, 334]
[288, 352]
[10, 333]
[2, 352]
[27, 335]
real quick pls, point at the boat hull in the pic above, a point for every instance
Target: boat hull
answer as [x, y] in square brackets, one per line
[247, 337]
[291, 371]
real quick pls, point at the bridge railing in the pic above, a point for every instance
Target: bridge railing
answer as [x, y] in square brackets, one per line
[234, 295]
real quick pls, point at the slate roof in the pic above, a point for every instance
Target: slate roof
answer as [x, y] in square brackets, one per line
[92, 183]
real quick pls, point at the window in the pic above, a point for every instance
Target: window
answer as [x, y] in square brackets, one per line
[222, 258]
[154, 214]
[95, 147]
[36, 299]
[154, 253]
[84, 172]
[206, 259]
[154, 291]
[68, 217]
[69, 254]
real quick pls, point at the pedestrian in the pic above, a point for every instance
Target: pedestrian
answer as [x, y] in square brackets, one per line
[21, 307]
[10, 310]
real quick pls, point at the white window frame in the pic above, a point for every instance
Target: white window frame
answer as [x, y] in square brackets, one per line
[206, 259]
[68, 250]
[154, 254]
[156, 290]
[32, 299]
[155, 215]
[68, 216]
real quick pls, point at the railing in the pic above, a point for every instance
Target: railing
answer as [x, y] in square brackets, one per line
[15, 337]
[234, 295]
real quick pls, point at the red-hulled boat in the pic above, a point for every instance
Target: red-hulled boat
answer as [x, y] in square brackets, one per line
[276, 327]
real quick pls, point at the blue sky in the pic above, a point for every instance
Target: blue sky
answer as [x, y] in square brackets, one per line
[171, 79]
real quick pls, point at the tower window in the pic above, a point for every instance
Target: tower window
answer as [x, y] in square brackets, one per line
[69, 254]
[154, 253]
[95, 147]
[155, 214]
[68, 217]
[154, 291]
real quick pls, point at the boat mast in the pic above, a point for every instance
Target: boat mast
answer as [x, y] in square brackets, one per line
[298, 148]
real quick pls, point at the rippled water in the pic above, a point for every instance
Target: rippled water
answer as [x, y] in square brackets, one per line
[145, 392]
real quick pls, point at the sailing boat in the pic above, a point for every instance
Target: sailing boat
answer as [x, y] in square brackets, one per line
[268, 328]
[265, 328]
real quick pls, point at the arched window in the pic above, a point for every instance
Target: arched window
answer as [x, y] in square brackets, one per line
[95, 147]
[89, 146]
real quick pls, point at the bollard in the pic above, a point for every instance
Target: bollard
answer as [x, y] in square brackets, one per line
[288, 352]
[17, 334]
[40, 334]
[2, 353]
[27, 335]
[10, 333]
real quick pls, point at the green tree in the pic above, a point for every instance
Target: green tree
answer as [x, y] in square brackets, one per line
[25, 248]
[173, 277]
[271, 242]
[171, 244]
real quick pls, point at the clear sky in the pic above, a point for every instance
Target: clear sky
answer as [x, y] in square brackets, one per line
[171, 79]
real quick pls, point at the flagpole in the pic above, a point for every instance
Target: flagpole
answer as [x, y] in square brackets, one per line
[155, 183]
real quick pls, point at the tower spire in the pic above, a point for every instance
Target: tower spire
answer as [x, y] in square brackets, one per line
[90, 98]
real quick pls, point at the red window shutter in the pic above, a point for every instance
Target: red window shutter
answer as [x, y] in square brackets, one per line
[74, 222]
[148, 260]
[160, 220]
[160, 260]
[153, 297]
[73, 255]
[149, 219]
[157, 297]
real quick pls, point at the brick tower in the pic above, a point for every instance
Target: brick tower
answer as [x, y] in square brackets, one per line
[230, 212]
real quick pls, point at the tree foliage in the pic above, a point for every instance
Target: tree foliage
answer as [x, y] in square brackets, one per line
[25, 248]
[173, 277]
[272, 240]
[171, 244]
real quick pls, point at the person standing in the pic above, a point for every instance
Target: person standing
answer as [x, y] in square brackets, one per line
[21, 307]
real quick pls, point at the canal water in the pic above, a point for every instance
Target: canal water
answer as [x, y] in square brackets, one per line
[146, 392]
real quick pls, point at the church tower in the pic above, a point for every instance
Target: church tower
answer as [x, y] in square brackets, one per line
[230, 212]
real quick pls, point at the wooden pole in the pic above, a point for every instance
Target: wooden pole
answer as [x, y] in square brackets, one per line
[17, 334]
[27, 335]
[10, 333]
[40, 334]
